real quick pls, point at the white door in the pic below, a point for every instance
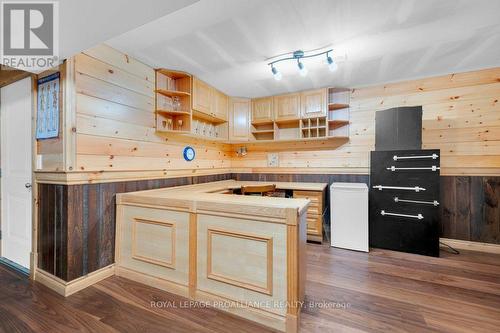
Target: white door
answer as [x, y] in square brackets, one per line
[15, 156]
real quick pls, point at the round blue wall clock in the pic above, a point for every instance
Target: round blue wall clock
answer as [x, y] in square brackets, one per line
[189, 153]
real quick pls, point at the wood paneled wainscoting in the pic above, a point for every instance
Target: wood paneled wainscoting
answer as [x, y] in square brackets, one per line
[76, 223]
[470, 208]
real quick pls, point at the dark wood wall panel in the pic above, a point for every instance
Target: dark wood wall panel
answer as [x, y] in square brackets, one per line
[470, 208]
[76, 232]
[46, 224]
[310, 178]
[61, 253]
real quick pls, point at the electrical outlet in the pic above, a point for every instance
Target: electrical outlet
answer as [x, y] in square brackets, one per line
[273, 160]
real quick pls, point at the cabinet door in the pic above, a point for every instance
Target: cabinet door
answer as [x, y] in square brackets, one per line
[286, 106]
[262, 110]
[202, 96]
[313, 103]
[239, 112]
[220, 105]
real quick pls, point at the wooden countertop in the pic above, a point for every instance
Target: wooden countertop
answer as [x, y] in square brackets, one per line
[208, 197]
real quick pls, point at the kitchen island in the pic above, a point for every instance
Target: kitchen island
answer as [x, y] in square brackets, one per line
[242, 254]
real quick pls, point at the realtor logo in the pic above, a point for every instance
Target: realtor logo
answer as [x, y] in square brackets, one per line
[30, 35]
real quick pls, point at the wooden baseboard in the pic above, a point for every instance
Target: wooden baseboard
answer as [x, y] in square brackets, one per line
[292, 323]
[33, 261]
[65, 288]
[152, 281]
[261, 317]
[471, 246]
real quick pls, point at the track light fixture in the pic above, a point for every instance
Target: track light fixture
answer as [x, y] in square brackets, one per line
[299, 55]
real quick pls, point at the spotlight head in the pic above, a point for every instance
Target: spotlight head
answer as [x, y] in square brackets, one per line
[276, 74]
[302, 68]
[332, 65]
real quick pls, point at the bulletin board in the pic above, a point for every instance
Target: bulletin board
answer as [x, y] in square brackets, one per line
[47, 124]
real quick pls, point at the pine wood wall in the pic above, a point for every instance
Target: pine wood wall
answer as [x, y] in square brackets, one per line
[51, 151]
[114, 126]
[115, 120]
[461, 116]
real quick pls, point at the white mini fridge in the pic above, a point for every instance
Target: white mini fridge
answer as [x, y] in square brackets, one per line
[349, 216]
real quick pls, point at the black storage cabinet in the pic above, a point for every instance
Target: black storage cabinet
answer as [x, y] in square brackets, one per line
[405, 234]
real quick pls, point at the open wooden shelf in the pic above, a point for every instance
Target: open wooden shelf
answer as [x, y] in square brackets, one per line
[287, 121]
[172, 101]
[262, 122]
[173, 74]
[338, 112]
[337, 106]
[173, 113]
[172, 93]
[263, 131]
[174, 131]
[171, 123]
[313, 127]
[333, 124]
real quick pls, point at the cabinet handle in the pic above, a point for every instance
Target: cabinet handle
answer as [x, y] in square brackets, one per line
[433, 168]
[419, 216]
[435, 202]
[396, 157]
[415, 188]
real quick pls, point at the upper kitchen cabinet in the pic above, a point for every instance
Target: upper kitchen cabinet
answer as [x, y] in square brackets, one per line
[209, 112]
[239, 119]
[202, 97]
[262, 110]
[187, 105]
[313, 103]
[219, 104]
[286, 107]
[208, 103]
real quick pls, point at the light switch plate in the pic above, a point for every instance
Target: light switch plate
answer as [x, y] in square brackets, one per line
[273, 160]
[39, 163]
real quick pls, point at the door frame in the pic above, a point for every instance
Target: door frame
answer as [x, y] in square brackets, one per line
[34, 185]
[34, 190]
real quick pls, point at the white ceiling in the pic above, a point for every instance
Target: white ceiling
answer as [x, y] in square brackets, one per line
[83, 24]
[227, 42]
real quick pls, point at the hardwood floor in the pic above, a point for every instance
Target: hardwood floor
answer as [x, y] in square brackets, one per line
[346, 291]
[399, 292]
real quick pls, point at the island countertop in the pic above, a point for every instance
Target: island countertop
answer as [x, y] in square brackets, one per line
[214, 194]
[205, 243]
